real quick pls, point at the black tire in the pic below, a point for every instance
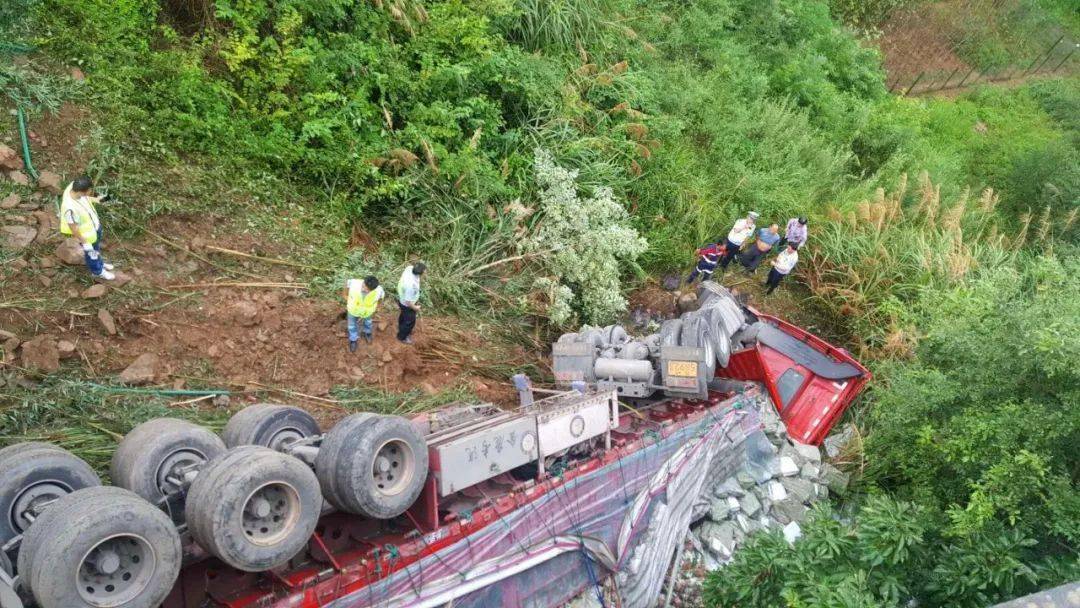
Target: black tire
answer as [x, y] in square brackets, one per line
[718, 333]
[696, 333]
[34, 468]
[671, 332]
[155, 448]
[269, 425]
[55, 555]
[346, 465]
[225, 502]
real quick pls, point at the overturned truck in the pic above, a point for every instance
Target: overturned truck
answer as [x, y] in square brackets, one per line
[472, 505]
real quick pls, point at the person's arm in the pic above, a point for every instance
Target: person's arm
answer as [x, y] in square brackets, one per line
[74, 227]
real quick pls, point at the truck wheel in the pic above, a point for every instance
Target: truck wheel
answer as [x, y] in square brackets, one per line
[696, 333]
[269, 425]
[101, 547]
[718, 334]
[375, 465]
[31, 475]
[254, 508]
[159, 450]
[670, 332]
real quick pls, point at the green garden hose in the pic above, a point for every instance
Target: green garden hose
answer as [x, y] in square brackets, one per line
[153, 391]
[23, 135]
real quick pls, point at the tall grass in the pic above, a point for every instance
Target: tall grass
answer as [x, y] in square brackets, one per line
[868, 261]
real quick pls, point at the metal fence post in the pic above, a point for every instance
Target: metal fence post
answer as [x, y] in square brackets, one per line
[1045, 57]
[912, 87]
[1073, 50]
[950, 77]
[964, 79]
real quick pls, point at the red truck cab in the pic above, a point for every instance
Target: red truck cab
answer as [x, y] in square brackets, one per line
[811, 381]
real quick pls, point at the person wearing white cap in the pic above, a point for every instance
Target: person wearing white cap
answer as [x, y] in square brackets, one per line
[738, 235]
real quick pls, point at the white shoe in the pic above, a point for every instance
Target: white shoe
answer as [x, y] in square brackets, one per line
[106, 275]
[109, 266]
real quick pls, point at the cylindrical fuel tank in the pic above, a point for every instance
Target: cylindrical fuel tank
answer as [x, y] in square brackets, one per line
[623, 369]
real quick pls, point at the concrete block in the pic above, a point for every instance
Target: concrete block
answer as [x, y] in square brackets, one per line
[798, 488]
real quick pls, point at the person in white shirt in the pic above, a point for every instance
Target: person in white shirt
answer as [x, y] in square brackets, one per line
[782, 265]
[408, 292]
[738, 235]
[79, 218]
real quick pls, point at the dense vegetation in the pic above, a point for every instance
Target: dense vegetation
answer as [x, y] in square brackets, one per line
[590, 140]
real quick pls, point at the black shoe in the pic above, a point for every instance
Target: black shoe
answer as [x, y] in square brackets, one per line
[352, 346]
[368, 338]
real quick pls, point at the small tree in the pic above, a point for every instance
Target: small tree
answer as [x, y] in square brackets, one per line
[584, 241]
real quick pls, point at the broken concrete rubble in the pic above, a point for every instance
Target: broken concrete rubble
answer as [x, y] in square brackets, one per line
[778, 482]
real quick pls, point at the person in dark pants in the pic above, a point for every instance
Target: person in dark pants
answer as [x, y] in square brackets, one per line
[408, 292]
[766, 238]
[709, 258]
[781, 267]
[736, 237]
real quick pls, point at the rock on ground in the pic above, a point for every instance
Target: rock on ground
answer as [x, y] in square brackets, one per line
[9, 159]
[94, 291]
[10, 201]
[66, 348]
[141, 371]
[246, 313]
[18, 238]
[41, 354]
[50, 182]
[70, 252]
[19, 178]
[107, 322]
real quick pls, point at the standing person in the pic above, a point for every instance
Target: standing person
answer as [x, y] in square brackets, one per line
[361, 300]
[766, 238]
[408, 292]
[79, 218]
[738, 235]
[795, 232]
[710, 257]
[781, 267]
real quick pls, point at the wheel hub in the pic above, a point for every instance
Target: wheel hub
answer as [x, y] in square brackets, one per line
[285, 437]
[30, 501]
[173, 465]
[270, 513]
[116, 570]
[392, 468]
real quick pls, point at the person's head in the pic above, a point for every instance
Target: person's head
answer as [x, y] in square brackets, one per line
[802, 220]
[752, 216]
[773, 228]
[371, 282]
[792, 247]
[82, 184]
[419, 268]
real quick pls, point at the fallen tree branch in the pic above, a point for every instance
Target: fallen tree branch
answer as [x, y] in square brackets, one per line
[523, 256]
[238, 284]
[262, 259]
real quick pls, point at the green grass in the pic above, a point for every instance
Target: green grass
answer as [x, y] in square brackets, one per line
[89, 420]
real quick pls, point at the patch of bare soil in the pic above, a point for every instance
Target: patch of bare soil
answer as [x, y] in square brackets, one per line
[918, 40]
[59, 141]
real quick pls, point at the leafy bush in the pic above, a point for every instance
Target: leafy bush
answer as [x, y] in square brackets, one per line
[586, 242]
[891, 553]
[982, 424]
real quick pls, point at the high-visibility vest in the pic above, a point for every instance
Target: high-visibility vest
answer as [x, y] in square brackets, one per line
[361, 304]
[86, 217]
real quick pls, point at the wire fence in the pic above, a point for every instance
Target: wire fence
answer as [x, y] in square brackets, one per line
[959, 43]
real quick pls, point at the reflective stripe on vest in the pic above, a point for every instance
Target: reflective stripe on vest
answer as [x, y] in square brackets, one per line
[362, 304]
[85, 216]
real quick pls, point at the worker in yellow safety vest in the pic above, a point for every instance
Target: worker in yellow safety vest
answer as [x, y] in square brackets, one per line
[361, 301]
[79, 218]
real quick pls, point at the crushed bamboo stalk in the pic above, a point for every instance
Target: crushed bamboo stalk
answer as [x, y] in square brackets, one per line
[238, 284]
[262, 258]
